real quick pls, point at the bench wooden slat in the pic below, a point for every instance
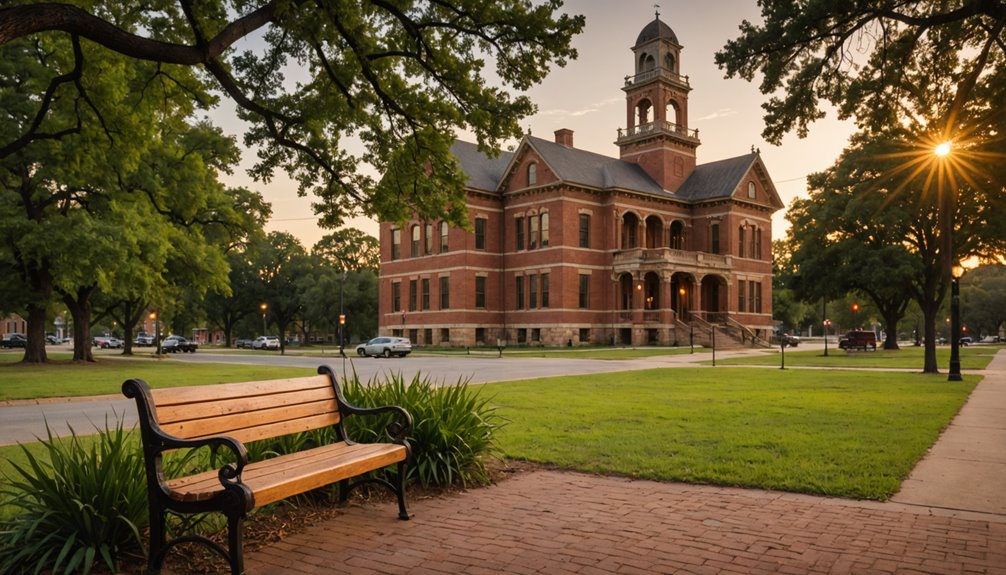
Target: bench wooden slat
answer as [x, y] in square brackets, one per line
[238, 422]
[280, 477]
[189, 411]
[284, 427]
[201, 393]
[208, 481]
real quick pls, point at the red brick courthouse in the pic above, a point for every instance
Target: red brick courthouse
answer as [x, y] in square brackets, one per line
[573, 246]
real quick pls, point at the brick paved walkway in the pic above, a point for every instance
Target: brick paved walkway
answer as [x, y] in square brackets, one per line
[558, 523]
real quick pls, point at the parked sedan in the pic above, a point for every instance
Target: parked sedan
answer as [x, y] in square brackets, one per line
[385, 347]
[266, 342]
[108, 342]
[243, 343]
[788, 339]
[14, 340]
[177, 343]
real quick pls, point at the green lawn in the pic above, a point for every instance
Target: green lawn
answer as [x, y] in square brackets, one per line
[67, 379]
[972, 357]
[849, 434]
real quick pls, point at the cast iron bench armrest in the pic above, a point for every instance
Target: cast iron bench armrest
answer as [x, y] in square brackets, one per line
[396, 431]
[230, 473]
[156, 440]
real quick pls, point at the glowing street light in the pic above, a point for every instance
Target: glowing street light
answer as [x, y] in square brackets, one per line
[263, 307]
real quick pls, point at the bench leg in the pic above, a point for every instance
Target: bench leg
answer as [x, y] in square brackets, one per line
[235, 544]
[155, 555]
[343, 491]
[403, 513]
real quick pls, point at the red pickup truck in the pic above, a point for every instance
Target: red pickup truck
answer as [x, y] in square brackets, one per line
[858, 339]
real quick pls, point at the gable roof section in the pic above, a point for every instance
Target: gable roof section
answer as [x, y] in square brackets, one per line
[716, 179]
[484, 173]
[594, 170]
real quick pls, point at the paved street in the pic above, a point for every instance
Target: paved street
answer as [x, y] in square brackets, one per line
[25, 421]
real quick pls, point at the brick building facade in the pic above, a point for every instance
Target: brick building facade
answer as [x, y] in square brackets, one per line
[573, 247]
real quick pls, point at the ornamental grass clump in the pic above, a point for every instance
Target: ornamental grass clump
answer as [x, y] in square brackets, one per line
[85, 503]
[453, 426]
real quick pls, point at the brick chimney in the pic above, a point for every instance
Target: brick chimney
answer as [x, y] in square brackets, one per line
[564, 137]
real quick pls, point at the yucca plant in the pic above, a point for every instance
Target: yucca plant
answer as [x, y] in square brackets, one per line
[454, 426]
[85, 503]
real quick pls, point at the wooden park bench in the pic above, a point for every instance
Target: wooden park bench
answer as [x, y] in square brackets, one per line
[225, 416]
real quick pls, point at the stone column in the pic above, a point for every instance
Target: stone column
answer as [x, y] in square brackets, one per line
[696, 298]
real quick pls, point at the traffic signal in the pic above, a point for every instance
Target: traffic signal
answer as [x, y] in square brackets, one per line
[855, 307]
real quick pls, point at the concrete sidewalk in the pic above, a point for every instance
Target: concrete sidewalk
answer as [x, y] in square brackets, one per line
[966, 468]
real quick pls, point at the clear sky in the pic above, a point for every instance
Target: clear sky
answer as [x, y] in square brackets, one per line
[586, 97]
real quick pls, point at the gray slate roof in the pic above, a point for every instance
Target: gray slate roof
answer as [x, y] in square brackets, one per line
[656, 29]
[594, 170]
[484, 173]
[713, 180]
[716, 179]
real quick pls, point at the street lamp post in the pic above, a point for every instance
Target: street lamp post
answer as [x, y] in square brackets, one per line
[157, 332]
[263, 307]
[342, 316]
[955, 323]
[824, 324]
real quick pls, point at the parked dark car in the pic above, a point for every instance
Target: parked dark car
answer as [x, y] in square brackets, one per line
[51, 339]
[858, 339]
[177, 343]
[243, 344]
[13, 340]
[966, 340]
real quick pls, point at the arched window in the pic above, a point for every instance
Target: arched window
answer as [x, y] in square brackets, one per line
[428, 244]
[646, 63]
[669, 62]
[443, 237]
[544, 230]
[396, 244]
[756, 243]
[677, 235]
[415, 241]
[643, 112]
[751, 190]
[740, 241]
[673, 112]
[532, 174]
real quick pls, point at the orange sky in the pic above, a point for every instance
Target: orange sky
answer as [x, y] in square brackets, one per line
[586, 97]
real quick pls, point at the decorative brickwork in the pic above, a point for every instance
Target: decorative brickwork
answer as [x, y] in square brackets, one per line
[665, 244]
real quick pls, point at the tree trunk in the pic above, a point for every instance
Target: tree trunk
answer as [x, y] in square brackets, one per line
[34, 351]
[891, 327]
[228, 330]
[40, 284]
[929, 311]
[80, 309]
[127, 339]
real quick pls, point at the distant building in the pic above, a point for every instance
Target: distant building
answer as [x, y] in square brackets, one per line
[13, 323]
[573, 247]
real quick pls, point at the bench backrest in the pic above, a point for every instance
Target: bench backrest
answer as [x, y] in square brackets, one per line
[247, 411]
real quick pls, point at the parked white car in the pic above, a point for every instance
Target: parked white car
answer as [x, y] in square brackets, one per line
[266, 342]
[385, 347]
